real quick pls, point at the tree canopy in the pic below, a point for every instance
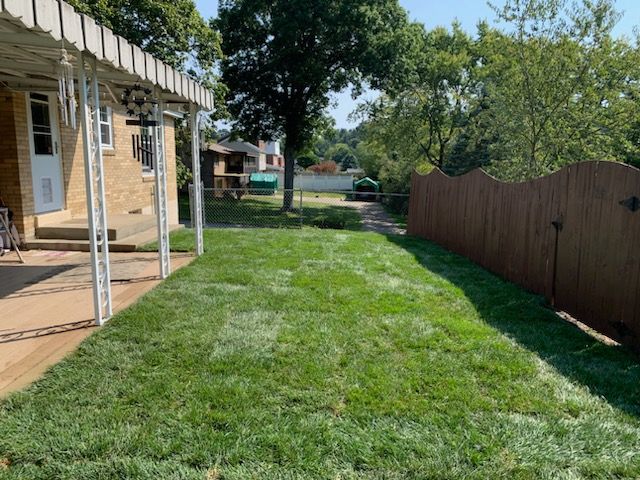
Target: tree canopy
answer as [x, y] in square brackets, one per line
[343, 155]
[284, 57]
[551, 88]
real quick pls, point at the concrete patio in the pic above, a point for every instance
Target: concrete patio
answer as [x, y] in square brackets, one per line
[46, 306]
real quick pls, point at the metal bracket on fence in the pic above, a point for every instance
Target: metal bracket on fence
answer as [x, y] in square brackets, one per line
[632, 203]
[558, 223]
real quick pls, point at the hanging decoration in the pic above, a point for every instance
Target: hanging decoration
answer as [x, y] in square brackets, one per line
[140, 103]
[66, 90]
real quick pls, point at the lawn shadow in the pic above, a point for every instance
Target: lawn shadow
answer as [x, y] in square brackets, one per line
[609, 371]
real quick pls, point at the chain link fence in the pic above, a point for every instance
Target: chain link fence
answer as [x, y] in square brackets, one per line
[268, 208]
[249, 207]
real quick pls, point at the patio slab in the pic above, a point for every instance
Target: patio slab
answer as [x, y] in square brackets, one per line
[46, 305]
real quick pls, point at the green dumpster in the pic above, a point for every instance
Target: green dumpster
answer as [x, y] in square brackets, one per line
[366, 190]
[263, 183]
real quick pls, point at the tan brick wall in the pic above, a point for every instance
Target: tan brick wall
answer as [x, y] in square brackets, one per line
[16, 186]
[127, 188]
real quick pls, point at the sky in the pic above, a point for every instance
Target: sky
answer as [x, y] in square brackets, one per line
[433, 13]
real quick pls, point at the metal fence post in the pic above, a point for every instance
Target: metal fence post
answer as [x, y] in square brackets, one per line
[301, 212]
[190, 189]
[204, 205]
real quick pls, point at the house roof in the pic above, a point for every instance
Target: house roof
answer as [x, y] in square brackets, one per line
[216, 147]
[240, 145]
[32, 34]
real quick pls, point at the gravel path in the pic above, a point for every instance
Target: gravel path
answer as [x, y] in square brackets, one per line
[374, 216]
[376, 219]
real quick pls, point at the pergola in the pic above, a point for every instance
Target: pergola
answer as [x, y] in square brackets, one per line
[32, 34]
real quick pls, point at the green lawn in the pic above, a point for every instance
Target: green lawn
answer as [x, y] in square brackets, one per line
[322, 354]
[265, 212]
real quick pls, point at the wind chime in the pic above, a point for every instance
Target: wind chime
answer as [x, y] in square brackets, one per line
[66, 90]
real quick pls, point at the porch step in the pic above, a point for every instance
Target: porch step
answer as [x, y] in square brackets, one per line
[119, 227]
[126, 244]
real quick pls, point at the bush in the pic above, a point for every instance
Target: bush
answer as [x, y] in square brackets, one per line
[327, 168]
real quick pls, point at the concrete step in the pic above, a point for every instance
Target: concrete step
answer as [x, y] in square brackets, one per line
[119, 227]
[127, 244]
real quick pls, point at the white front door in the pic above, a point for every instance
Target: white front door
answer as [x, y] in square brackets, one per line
[46, 169]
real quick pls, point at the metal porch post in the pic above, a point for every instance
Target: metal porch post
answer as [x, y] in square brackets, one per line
[197, 182]
[160, 170]
[94, 185]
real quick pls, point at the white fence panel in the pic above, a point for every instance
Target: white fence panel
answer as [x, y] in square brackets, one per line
[319, 183]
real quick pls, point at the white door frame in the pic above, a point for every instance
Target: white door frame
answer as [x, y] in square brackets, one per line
[55, 137]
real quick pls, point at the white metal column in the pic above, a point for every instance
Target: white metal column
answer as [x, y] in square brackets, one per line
[197, 182]
[162, 209]
[94, 185]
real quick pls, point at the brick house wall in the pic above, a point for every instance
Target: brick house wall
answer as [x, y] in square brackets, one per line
[15, 160]
[127, 188]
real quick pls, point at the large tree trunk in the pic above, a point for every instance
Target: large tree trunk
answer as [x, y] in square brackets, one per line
[289, 164]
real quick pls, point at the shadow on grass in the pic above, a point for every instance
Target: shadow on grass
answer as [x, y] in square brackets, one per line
[610, 372]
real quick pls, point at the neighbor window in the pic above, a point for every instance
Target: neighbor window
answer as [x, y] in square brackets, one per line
[106, 127]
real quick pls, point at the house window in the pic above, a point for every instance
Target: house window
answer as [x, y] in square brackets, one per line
[146, 135]
[41, 121]
[106, 127]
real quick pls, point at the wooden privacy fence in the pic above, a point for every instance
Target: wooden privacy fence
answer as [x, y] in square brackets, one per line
[573, 236]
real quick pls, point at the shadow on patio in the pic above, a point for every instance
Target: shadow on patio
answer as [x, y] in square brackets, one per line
[611, 372]
[46, 305]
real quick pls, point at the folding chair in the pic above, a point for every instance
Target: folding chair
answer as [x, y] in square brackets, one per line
[5, 227]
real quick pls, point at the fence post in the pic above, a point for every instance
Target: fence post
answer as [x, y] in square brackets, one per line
[301, 212]
[203, 220]
[190, 205]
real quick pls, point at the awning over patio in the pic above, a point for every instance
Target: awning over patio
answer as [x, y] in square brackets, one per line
[33, 32]
[104, 67]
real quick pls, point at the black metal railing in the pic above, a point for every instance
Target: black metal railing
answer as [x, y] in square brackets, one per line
[143, 151]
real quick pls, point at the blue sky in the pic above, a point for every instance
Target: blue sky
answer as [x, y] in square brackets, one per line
[439, 12]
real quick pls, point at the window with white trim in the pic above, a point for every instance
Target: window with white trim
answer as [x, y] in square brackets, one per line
[106, 127]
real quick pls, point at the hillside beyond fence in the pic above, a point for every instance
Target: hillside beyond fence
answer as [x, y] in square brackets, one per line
[573, 236]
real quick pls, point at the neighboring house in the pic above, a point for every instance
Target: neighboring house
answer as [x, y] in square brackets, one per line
[255, 158]
[225, 168]
[274, 156]
[230, 163]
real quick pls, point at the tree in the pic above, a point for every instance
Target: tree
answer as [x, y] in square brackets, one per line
[307, 160]
[428, 110]
[284, 58]
[343, 155]
[543, 79]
